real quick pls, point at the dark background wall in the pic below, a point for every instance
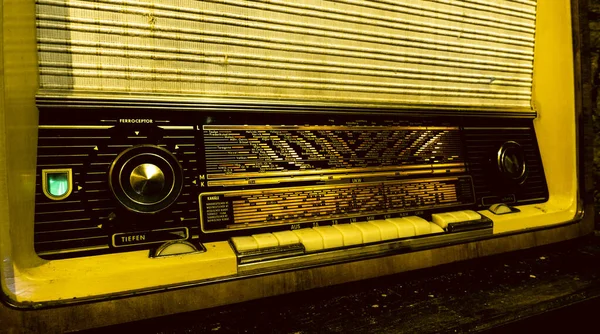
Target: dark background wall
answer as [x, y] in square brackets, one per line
[594, 47]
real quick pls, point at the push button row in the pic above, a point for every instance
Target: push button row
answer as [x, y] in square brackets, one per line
[265, 240]
[327, 237]
[443, 219]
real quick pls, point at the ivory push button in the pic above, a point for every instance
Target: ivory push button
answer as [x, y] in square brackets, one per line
[244, 244]
[436, 228]
[405, 228]
[472, 214]
[265, 240]
[332, 238]
[351, 234]
[310, 238]
[387, 229]
[421, 225]
[286, 238]
[443, 219]
[460, 216]
[370, 233]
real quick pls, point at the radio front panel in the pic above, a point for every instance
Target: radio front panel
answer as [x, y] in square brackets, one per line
[143, 178]
[173, 155]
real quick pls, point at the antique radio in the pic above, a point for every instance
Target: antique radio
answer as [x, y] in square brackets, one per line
[176, 155]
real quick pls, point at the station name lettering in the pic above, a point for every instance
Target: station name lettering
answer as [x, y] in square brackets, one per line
[136, 120]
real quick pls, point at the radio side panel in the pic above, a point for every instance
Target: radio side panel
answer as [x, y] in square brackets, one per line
[35, 283]
[19, 116]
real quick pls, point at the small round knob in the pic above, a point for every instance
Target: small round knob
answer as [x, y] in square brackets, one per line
[147, 179]
[511, 162]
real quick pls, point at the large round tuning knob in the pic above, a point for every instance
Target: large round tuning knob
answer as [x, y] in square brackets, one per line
[145, 178]
[511, 162]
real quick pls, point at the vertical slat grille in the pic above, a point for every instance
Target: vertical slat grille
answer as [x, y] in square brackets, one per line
[468, 53]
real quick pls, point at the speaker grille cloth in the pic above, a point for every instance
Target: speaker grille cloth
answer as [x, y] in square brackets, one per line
[401, 53]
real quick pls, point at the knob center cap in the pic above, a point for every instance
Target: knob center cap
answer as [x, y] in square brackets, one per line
[147, 179]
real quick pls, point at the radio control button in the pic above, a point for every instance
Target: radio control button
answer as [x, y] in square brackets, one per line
[472, 214]
[175, 247]
[243, 244]
[511, 162]
[421, 225]
[369, 232]
[435, 228]
[387, 229]
[147, 179]
[443, 219]
[265, 240]
[460, 216]
[500, 209]
[286, 238]
[350, 233]
[332, 238]
[405, 228]
[310, 238]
